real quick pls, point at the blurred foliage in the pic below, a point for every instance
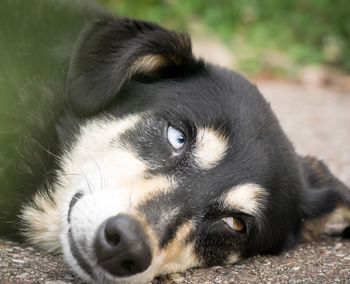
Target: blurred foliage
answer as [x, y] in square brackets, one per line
[313, 31]
[36, 42]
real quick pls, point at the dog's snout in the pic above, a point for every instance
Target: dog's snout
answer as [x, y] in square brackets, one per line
[121, 246]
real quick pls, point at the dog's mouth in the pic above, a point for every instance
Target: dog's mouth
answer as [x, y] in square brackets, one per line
[75, 251]
[81, 261]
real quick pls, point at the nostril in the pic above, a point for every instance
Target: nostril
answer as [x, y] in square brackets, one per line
[128, 265]
[112, 235]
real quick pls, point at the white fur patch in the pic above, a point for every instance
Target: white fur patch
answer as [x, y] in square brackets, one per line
[42, 222]
[210, 148]
[88, 165]
[248, 198]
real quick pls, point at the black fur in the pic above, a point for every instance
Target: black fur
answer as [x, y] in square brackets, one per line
[101, 61]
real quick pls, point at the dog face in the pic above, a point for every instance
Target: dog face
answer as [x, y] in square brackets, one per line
[168, 163]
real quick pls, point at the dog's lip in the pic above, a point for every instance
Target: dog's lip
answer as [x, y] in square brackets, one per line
[82, 262]
[73, 201]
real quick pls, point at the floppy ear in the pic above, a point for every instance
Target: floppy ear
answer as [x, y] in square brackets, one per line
[326, 199]
[112, 51]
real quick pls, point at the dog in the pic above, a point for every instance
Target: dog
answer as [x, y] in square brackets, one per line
[134, 158]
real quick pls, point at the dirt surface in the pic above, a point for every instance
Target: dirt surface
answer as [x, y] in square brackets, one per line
[318, 123]
[325, 261]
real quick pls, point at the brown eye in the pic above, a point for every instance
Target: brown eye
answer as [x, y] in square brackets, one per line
[235, 224]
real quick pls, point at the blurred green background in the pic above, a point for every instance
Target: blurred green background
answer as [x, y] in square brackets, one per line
[275, 36]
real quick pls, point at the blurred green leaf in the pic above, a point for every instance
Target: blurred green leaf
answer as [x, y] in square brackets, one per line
[299, 28]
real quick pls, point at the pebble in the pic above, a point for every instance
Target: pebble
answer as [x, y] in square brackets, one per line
[18, 260]
[177, 278]
[23, 275]
[338, 246]
[3, 264]
[248, 277]
[295, 281]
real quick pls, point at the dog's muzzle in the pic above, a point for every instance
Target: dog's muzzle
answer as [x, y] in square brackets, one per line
[121, 246]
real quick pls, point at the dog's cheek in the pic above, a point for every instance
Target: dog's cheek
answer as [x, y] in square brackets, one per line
[180, 254]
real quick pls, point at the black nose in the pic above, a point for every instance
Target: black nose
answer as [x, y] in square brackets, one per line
[121, 247]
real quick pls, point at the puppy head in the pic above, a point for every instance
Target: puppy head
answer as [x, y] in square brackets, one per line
[168, 163]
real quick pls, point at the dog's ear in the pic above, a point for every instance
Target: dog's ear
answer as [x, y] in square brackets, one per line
[114, 50]
[325, 199]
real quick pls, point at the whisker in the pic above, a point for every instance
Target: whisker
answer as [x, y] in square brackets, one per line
[102, 179]
[46, 150]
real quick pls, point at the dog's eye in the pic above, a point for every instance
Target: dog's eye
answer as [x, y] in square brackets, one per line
[235, 224]
[175, 137]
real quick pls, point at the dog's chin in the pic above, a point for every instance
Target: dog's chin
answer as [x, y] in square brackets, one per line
[89, 271]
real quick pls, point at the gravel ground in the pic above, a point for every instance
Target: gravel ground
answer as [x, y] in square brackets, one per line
[318, 123]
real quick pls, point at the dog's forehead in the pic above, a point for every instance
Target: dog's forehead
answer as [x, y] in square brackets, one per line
[228, 111]
[208, 97]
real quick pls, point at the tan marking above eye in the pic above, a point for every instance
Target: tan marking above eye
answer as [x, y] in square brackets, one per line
[248, 198]
[235, 224]
[211, 147]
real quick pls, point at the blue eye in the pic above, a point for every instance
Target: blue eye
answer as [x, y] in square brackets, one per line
[175, 137]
